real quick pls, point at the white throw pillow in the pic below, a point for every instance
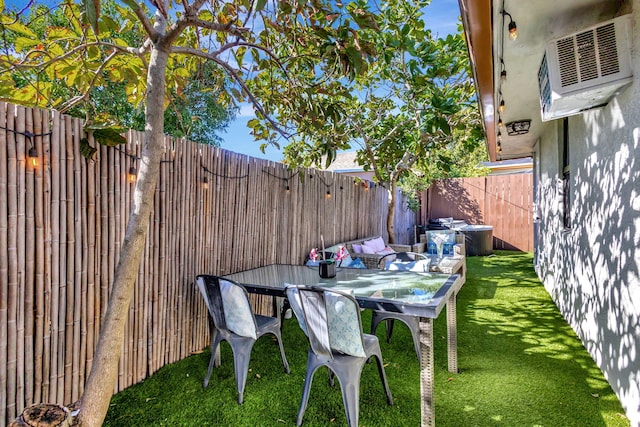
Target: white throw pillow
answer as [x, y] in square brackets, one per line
[367, 250]
[377, 244]
[237, 311]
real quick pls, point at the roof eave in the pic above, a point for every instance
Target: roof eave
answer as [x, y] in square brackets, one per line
[477, 21]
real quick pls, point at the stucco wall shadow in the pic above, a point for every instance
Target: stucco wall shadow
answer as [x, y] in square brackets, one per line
[591, 270]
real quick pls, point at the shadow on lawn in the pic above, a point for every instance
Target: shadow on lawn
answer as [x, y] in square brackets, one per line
[513, 338]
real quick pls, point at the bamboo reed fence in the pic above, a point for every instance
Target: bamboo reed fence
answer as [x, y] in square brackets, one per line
[62, 224]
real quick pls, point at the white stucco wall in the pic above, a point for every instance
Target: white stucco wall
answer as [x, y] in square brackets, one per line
[592, 270]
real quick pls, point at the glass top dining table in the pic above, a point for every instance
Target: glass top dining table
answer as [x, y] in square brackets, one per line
[423, 295]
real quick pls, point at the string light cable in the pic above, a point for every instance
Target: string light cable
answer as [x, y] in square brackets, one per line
[285, 179]
[32, 154]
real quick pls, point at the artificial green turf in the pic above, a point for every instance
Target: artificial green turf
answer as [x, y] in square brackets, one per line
[520, 365]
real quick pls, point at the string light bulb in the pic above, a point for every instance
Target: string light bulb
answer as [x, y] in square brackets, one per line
[513, 28]
[500, 122]
[205, 183]
[328, 195]
[501, 107]
[132, 175]
[33, 159]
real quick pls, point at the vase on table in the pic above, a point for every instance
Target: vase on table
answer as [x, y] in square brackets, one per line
[440, 248]
[327, 269]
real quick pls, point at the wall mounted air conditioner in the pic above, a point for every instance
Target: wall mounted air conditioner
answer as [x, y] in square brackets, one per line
[586, 69]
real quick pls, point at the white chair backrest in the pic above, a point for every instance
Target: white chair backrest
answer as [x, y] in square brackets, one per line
[332, 321]
[237, 309]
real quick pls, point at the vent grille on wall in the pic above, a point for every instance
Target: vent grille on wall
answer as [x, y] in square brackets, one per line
[585, 70]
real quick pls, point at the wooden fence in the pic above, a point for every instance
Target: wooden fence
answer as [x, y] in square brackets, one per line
[503, 201]
[405, 220]
[62, 224]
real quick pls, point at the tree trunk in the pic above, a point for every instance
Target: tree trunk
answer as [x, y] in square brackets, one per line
[104, 371]
[391, 213]
[43, 415]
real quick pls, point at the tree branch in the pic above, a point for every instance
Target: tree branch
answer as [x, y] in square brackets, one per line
[74, 101]
[146, 24]
[236, 77]
[214, 26]
[22, 65]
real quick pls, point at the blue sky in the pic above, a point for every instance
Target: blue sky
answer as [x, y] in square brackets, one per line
[441, 17]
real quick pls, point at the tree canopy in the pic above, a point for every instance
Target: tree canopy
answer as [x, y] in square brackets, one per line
[411, 116]
[193, 111]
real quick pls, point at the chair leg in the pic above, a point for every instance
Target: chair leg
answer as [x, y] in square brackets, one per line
[348, 373]
[308, 379]
[215, 357]
[383, 377]
[375, 319]
[332, 377]
[241, 355]
[284, 358]
[285, 306]
[389, 329]
[205, 383]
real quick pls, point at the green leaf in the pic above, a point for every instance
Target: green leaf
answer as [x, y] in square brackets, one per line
[20, 28]
[24, 43]
[93, 53]
[92, 12]
[57, 33]
[236, 93]
[260, 5]
[108, 136]
[131, 3]
[87, 150]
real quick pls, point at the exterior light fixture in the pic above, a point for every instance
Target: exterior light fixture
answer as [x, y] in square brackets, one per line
[132, 175]
[33, 159]
[519, 127]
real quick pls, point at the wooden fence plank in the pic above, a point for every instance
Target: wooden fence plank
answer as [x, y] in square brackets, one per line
[503, 201]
